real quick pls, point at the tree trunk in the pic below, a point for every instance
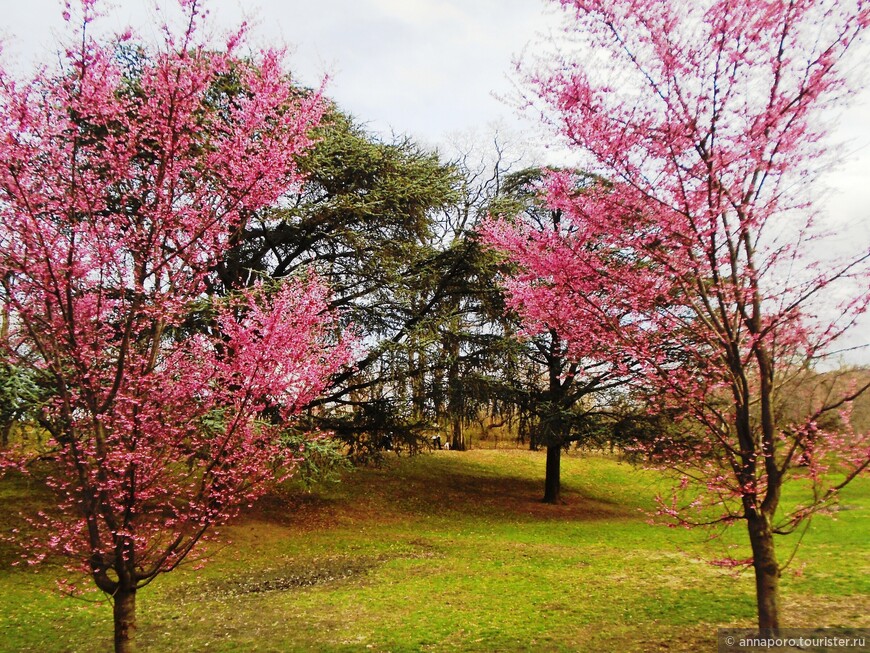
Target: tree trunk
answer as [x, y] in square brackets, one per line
[766, 573]
[418, 385]
[458, 436]
[555, 431]
[125, 621]
[455, 397]
[552, 483]
[6, 431]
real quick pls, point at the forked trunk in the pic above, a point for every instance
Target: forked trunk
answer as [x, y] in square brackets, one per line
[766, 573]
[552, 483]
[125, 621]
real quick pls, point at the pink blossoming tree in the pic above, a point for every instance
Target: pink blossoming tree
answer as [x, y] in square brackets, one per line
[124, 176]
[703, 117]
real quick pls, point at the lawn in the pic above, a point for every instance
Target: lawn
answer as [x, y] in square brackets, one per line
[453, 552]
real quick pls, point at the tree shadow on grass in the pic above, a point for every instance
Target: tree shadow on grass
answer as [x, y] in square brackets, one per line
[430, 486]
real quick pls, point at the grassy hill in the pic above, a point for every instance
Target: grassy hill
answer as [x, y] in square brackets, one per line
[453, 552]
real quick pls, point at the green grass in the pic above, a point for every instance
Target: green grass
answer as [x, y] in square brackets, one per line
[453, 551]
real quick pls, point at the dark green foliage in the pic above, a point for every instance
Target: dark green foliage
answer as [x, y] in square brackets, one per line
[318, 459]
[373, 428]
[636, 430]
[557, 401]
[364, 222]
[21, 395]
[360, 220]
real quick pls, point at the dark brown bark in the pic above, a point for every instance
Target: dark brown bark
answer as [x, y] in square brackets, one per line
[554, 430]
[457, 439]
[552, 482]
[418, 383]
[455, 399]
[766, 573]
[125, 621]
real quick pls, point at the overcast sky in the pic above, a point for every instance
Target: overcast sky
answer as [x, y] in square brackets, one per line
[428, 68]
[423, 67]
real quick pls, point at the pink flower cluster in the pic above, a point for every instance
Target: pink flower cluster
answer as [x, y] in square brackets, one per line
[696, 258]
[126, 175]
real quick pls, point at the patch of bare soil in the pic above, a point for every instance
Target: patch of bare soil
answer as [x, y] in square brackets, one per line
[296, 574]
[278, 579]
[825, 611]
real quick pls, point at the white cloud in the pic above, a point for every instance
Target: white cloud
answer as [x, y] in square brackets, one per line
[420, 13]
